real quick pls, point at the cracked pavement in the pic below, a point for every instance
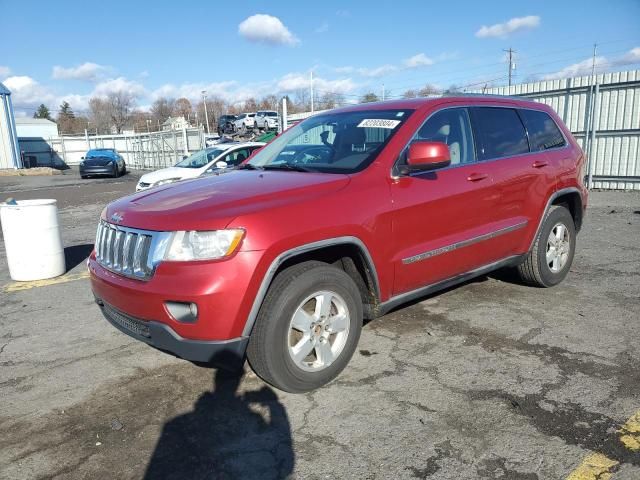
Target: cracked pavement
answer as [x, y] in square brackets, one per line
[490, 379]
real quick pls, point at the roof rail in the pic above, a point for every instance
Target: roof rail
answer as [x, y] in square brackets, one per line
[484, 95]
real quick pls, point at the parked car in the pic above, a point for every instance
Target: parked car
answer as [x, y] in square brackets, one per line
[244, 122]
[219, 157]
[226, 124]
[343, 217]
[266, 120]
[102, 161]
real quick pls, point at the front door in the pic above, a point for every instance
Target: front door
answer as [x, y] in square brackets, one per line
[441, 216]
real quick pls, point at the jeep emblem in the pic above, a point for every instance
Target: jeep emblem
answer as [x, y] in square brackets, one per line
[116, 217]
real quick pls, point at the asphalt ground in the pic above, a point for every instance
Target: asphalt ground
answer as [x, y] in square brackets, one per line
[491, 379]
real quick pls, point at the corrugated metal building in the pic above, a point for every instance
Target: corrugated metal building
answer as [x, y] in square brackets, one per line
[9, 152]
[615, 151]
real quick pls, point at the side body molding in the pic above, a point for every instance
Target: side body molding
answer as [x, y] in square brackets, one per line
[280, 259]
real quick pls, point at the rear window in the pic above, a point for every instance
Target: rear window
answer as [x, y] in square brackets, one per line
[499, 132]
[543, 131]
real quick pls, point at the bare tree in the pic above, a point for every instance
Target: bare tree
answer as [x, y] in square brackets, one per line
[99, 115]
[330, 100]
[120, 106]
[162, 109]
[429, 90]
[182, 108]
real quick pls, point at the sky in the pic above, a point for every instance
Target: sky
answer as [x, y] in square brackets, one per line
[73, 50]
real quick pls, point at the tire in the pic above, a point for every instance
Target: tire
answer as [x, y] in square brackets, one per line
[272, 343]
[116, 171]
[84, 176]
[536, 269]
[255, 126]
[124, 169]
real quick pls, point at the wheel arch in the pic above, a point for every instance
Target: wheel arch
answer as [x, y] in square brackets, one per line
[570, 197]
[348, 253]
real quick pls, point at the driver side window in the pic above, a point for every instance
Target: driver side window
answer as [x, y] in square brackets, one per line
[453, 127]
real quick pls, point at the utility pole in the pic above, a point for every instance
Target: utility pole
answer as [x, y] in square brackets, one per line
[383, 92]
[206, 114]
[311, 88]
[511, 51]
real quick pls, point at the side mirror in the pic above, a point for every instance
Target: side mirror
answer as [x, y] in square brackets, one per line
[221, 164]
[425, 156]
[185, 156]
[81, 158]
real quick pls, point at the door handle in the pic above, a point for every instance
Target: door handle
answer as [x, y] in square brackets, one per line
[540, 163]
[476, 177]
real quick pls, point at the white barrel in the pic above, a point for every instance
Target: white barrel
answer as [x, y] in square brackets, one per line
[32, 239]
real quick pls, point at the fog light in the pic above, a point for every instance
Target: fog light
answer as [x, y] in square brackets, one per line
[183, 311]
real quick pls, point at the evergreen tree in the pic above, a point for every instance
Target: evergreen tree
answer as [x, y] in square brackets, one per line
[66, 111]
[42, 112]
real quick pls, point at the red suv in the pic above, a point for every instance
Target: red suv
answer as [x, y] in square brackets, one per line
[342, 218]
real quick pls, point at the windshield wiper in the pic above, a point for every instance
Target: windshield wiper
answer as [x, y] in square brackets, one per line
[248, 166]
[288, 166]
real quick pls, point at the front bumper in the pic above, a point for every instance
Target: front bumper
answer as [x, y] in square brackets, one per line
[166, 339]
[222, 290]
[97, 170]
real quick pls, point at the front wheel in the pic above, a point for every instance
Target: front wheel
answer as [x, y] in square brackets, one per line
[308, 327]
[549, 261]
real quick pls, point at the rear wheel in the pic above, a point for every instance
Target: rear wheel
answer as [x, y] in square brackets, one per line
[549, 261]
[308, 327]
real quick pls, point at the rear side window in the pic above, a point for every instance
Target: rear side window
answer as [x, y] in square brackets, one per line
[498, 132]
[543, 131]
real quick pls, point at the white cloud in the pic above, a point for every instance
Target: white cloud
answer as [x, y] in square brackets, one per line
[378, 71]
[296, 81]
[120, 84]
[503, 30]
[267, 29]
[419, 60]
[88, 71]
[4, 71]
[346, 69]
[27, 92]
[343, 13]
[324, 27]
[602, 63]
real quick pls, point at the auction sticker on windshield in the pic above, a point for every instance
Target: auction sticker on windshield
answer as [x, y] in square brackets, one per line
[378, 123]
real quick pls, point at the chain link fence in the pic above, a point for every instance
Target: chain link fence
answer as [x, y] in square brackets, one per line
[144, 151]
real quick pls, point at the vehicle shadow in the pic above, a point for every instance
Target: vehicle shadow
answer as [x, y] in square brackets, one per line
[227, 435]
[77, 254]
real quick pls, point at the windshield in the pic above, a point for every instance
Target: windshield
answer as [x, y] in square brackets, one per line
[100, 154]
[201, 158]
[332, 143]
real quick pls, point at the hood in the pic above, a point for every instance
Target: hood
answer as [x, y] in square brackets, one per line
[98, 161]
[212, 202]
[171, 172]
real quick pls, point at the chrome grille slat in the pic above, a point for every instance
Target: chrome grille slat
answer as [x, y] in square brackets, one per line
[128, 251]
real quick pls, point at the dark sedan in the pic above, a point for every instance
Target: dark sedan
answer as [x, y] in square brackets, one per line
[102, 161]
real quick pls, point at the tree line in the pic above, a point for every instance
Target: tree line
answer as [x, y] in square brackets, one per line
[118, 112]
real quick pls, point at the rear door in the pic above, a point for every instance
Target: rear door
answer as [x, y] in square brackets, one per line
[441, 216]
[521, 177]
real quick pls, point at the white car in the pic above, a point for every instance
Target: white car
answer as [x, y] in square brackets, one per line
[218, 158]
[244, 122]
[266, 119]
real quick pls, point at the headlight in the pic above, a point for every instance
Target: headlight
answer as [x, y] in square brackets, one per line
[193, 245]
[165, 181]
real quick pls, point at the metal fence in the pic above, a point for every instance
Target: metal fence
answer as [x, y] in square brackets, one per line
[146, 151]
[605, 120]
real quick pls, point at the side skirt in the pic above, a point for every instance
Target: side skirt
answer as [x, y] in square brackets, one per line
[393, 302]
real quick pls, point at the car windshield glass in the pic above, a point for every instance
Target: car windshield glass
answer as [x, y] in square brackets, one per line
[272, 114]
[200, 159]
[334, 142]
[100, 154]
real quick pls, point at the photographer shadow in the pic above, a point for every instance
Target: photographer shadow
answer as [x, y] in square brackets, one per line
[227, 435]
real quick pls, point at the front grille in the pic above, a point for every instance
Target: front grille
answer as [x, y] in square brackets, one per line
[125, 321]
[126, 251]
